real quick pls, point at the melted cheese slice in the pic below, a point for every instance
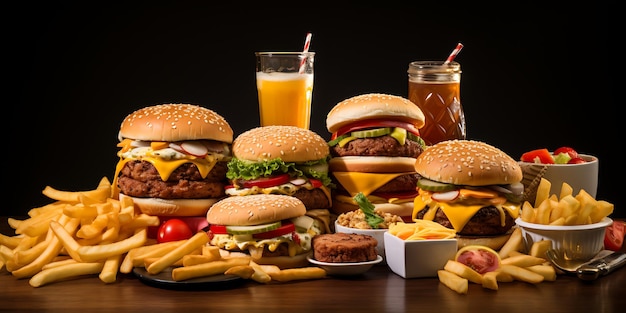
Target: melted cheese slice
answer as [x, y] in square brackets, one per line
[355, 182]
[167, 167]
[458, 214]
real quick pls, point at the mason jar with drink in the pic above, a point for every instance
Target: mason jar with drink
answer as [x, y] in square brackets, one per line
[435, 87]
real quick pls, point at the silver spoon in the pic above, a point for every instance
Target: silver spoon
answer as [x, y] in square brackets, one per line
[604, 263]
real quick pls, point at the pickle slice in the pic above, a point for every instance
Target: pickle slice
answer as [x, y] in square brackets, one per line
[376, 132]
[399, 134]
[431, 185]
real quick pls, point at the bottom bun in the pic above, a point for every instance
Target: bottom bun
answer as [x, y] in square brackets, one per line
[172, 207]
[401, 209]
[285, 262]
[493, 242]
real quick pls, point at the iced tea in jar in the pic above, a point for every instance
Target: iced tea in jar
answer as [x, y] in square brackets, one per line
[435, 87]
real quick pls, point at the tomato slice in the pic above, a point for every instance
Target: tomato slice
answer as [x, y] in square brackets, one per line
[285, 228]
[482, 259]
[264, 182]
[375, 123]
[316, 183]
[218, 229]
[542, 156]
[572, 153]
[614, 236]
[576, 160]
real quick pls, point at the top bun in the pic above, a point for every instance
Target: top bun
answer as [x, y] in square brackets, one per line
[373, 106]
[254, 209]
[467, 162]
[175, 122]
[289, 143]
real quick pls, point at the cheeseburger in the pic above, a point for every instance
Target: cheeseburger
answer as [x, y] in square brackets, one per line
[173, 159]
[471, 187]
[272, 229]
[375, 142]
[285, 160]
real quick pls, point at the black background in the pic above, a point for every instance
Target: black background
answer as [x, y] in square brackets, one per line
[532, 77]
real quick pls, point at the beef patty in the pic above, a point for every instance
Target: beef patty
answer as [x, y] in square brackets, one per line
[141, 179]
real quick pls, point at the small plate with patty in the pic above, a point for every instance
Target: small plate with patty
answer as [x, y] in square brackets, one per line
[344, 268]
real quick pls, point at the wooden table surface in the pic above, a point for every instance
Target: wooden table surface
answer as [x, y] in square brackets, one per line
[378, 290]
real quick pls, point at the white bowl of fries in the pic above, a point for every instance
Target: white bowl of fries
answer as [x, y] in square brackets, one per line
[575, 242]
[418, 258]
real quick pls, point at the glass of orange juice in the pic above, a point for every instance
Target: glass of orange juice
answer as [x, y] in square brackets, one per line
[284, 83]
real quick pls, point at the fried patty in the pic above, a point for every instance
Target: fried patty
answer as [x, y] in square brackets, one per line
[141, 179]
[378, 146]
[343, 247]
[486, 222]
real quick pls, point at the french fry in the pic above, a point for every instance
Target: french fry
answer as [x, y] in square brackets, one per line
[453, 281]
[63, 272]
[543, 212]
[80, 211]
[463, 271]
[211, 250]
[547, 271]
[10, 241]
[191, 244]
[528, 212]
[52, 250]
[56, 263]
[543, 191]
[523, 260]
[259, 274]
[100, 193]
[109, 271]
[298, 274]
[66, 239]
[602, 210]
[490, 280]
[101, 252]
[514, 243]
[193, 259]
[93, 229]
[522, 274]
[243, 271]
[269, 268]
[539, 248]
[566, 190]
[206, 269]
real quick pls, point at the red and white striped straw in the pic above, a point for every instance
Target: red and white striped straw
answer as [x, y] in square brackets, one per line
[456, 51]
[307, 44]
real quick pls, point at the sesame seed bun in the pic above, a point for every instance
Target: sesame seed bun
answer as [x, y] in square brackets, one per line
[467, 162]
[255, 209]
[175, 122]
[373, 106]
[289, 143]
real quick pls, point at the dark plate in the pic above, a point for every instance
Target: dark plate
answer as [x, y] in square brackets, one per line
[164, 280]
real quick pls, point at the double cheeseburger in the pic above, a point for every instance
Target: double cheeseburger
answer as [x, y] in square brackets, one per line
[471, 187]
[284, 160]
[272, 229]
[173, 159]
[375, 142]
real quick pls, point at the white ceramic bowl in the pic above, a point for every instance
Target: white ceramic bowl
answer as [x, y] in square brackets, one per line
[376, 233]
[576, 242]
[345, 269]
[578, 176]
[418, 258]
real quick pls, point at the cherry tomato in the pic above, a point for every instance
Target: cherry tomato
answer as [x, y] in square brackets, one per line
[614, 236]
[576, 160]
[542, 156]
[375, 123]
[572, 153]
[173, 230]
[264, 182]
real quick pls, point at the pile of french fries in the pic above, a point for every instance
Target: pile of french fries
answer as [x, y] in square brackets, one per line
[566, 209]
[90, 233]
[515, 265]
